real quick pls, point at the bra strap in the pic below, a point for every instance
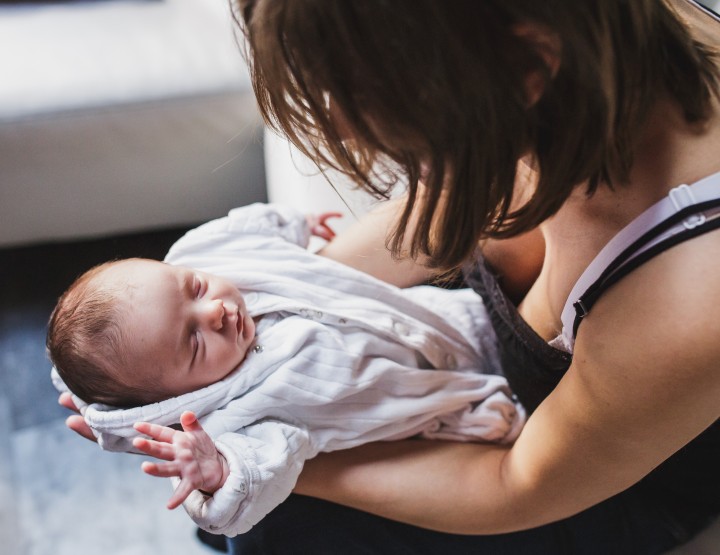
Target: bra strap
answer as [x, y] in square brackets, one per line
[687, 211]
[708, 11]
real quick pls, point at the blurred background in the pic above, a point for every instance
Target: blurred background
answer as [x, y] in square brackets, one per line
[123, 123]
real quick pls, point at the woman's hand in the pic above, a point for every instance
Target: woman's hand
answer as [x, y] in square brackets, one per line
[191, 454]
[75, 422]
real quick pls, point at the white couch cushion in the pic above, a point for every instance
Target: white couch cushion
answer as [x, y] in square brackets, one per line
[76, 55]
[121, 116]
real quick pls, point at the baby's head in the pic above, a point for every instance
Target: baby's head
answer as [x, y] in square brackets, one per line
[137, 331]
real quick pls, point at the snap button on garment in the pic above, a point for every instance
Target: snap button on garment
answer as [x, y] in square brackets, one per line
[310, 314]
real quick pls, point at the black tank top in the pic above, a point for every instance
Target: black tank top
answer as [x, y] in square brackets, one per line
[690, 480]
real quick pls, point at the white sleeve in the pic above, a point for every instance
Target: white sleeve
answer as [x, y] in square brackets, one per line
[265, 460]
[252, 227]
[270, 219]
[496, 418]
[106, 440]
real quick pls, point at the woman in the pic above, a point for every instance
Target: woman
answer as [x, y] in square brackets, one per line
[543, 132]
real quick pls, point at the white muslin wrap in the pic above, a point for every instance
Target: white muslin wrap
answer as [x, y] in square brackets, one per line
[341, 359]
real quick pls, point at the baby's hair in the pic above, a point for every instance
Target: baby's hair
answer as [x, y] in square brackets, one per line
[86, 342]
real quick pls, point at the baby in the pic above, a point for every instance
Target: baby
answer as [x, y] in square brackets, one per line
[243, 355]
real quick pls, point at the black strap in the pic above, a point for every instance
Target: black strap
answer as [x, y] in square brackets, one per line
[619, 267]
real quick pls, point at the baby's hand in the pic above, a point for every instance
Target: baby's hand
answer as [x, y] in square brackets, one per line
[319, 227]
[191, 453]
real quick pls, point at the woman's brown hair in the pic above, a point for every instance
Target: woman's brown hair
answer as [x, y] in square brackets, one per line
[438, 87]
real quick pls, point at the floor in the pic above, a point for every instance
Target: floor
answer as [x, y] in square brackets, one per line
[59, 494]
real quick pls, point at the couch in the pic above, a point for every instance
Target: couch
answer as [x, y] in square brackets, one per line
[120, 116]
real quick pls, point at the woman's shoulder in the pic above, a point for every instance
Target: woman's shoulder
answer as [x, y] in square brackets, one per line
[704, 26]
[660, 319]
[643, 382]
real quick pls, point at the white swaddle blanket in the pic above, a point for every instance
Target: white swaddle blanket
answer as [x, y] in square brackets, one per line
[340, 359]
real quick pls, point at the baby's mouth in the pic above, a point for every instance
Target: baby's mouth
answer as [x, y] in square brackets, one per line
[240, 324]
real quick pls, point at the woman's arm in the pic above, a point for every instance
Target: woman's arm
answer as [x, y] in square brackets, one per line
[362, 246]
[642, 385]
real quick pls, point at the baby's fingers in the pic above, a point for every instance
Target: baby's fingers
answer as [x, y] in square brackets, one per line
[325, 216]
[162, 470]
[189, 422]
[163, 451]
[155, 431]
[181, 493]
[323, 232]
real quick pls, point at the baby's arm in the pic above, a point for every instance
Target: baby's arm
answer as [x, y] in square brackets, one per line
[229, 485]
[265, 460]
[191, 456]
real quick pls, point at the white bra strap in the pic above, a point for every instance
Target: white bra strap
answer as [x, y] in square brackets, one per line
[679, 198]
[707, 10]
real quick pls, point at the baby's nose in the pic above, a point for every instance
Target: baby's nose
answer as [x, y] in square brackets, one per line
[213, 314]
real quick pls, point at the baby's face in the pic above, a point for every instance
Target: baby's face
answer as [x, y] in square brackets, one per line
[185, 328]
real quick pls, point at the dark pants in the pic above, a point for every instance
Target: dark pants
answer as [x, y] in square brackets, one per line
[624, 524]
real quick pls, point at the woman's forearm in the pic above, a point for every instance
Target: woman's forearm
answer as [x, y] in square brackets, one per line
[451, 487]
